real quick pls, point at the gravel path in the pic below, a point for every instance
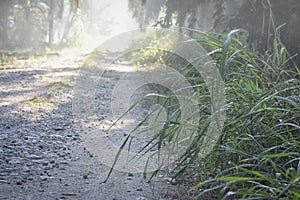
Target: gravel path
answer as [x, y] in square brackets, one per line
[42, 154]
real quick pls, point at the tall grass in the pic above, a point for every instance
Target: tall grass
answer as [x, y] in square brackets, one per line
[258, 153]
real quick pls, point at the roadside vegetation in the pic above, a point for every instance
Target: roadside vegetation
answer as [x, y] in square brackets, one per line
[257, 155]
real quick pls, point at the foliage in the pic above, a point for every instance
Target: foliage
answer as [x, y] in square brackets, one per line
[144, 56]
[31, 24]
[264, 20]
[36, 28]
[145, 11]
[257, 155]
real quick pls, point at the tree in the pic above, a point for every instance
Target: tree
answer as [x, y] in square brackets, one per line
[5, 6]
[267, 20]
[51, 21]
[29, 23]
[264, 20]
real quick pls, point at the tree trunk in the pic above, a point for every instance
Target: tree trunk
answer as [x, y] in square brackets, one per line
[51, 22]
[4, 8]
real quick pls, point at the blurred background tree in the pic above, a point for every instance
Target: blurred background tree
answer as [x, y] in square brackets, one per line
[34, 24]
[28, 23]
[264, 20]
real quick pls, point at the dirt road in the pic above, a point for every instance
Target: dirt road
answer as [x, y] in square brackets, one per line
[42, 153]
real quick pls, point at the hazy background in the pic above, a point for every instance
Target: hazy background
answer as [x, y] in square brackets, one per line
[34, 25]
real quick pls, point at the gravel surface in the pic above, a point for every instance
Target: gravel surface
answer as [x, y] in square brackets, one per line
[42, 153]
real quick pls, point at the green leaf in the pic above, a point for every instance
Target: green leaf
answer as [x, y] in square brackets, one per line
[236, 178]
[278, 155]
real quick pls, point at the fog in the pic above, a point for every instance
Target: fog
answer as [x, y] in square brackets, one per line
[108, 19]
[117, 12]
[208, 103]
[39, 24]
[35, 25]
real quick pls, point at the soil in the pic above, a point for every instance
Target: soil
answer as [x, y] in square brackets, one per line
[43, 154]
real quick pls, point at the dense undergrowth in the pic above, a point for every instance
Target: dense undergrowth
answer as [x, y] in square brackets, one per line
[258, 153]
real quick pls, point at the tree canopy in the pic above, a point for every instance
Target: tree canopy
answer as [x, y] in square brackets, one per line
[264, 20]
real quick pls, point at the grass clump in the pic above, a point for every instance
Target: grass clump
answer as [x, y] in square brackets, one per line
[92, 59]
[59, 86]
[42, 102]
[143, 57]
[258, 153]
[5, 60]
